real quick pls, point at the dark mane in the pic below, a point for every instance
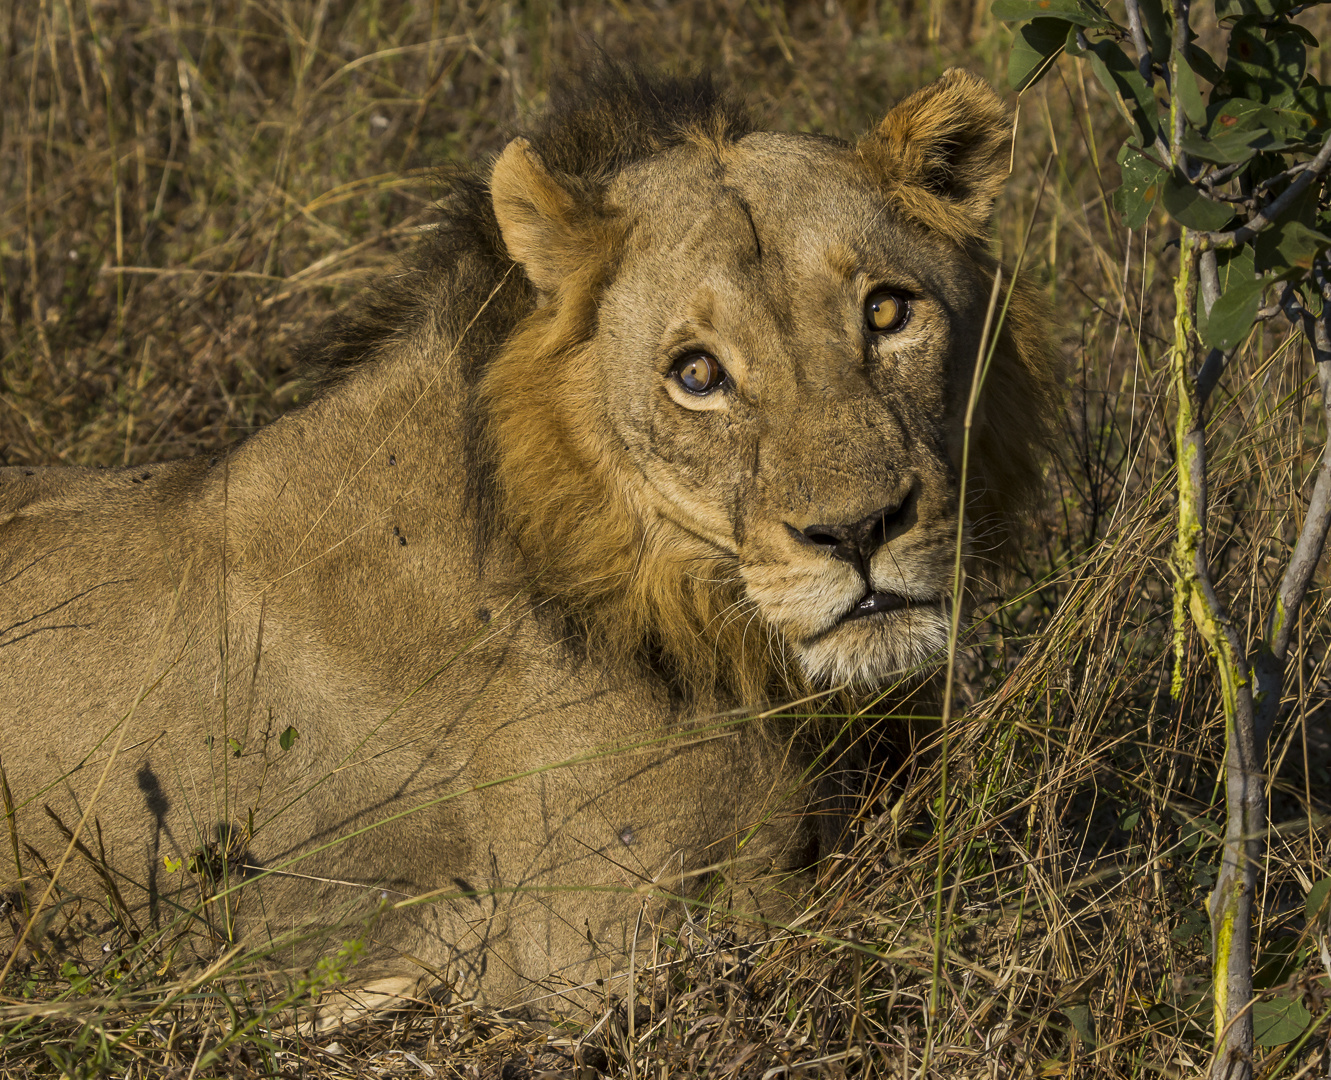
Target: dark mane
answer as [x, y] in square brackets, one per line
[599, 120]
[610, 115]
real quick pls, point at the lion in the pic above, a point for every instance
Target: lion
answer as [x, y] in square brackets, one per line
[479, 654]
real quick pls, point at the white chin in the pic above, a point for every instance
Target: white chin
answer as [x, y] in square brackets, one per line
[867, 652]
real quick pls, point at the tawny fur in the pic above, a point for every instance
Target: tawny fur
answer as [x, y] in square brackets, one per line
[513, 587]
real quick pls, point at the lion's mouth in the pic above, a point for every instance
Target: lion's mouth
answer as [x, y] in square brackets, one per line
[880, 634]
[877, 603]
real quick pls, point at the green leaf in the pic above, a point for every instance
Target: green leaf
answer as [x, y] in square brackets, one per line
[1278, 1021]
[1312, 100]
[1233, 313]
[1234, 274]
[1288, 246]
[1311, 297]
[1036, 44]
[1141, 184]
[1232, 114]
[1235, 129]
[287, 738]
[1226, 8]
[1281, 958]
[1204, 65]
[1190, 207]
[1130, 820]
[1157, 29]
[1120, 77]
[1234, 266]
[235, 746]
[1264, 62]
[1291, 116]
[1303, 33]
[1316, 905]
[1080, 1017]
[1289, 123]
[1227, 148]
[1190, 95]
[1192, 923]
[1074, 11]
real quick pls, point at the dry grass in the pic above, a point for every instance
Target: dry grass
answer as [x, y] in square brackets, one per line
[188, 189]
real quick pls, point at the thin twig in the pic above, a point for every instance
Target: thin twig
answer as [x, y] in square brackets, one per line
[1219, 176]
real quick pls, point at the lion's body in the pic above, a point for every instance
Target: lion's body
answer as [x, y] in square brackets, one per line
[409, 680]
[502, 577]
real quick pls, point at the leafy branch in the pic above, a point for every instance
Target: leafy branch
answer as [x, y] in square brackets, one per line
[1236, 150]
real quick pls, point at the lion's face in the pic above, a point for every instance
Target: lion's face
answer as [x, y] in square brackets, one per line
[785, 368]
[773, 371]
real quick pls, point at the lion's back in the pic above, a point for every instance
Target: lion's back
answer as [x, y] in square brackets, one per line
[89, 561]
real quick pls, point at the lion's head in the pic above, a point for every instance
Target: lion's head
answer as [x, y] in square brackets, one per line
[725, 425]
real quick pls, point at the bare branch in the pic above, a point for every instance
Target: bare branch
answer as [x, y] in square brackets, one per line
[1178, 54]
[1208, 280]
[1208, 375]
[1260, 221]
[1139, 41]
[1219, 176]
[1316, 523]
[1272, 181]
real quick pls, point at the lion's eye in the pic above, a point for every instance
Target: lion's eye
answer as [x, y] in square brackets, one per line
[699, 373]
[885, 311]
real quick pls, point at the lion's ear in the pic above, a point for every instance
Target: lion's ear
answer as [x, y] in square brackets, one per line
[944, 151]
[544, 223]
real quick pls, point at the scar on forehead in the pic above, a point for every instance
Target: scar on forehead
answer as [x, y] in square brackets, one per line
[841, 260]
[744, 215]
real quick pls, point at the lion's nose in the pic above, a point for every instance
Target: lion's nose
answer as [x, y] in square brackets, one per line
[856, 543]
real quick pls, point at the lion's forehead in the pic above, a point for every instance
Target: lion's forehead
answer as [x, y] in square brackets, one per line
[789, 216]
[794, 191]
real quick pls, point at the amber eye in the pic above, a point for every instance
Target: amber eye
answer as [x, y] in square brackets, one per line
[886, 311]
[699, 373]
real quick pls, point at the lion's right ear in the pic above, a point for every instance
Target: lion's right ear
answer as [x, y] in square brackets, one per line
[544, 223]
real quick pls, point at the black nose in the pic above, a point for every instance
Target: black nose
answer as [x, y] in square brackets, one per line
[857, 542]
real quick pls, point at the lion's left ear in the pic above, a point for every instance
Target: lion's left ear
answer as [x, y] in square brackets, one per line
[944, 154]
[545, 223]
